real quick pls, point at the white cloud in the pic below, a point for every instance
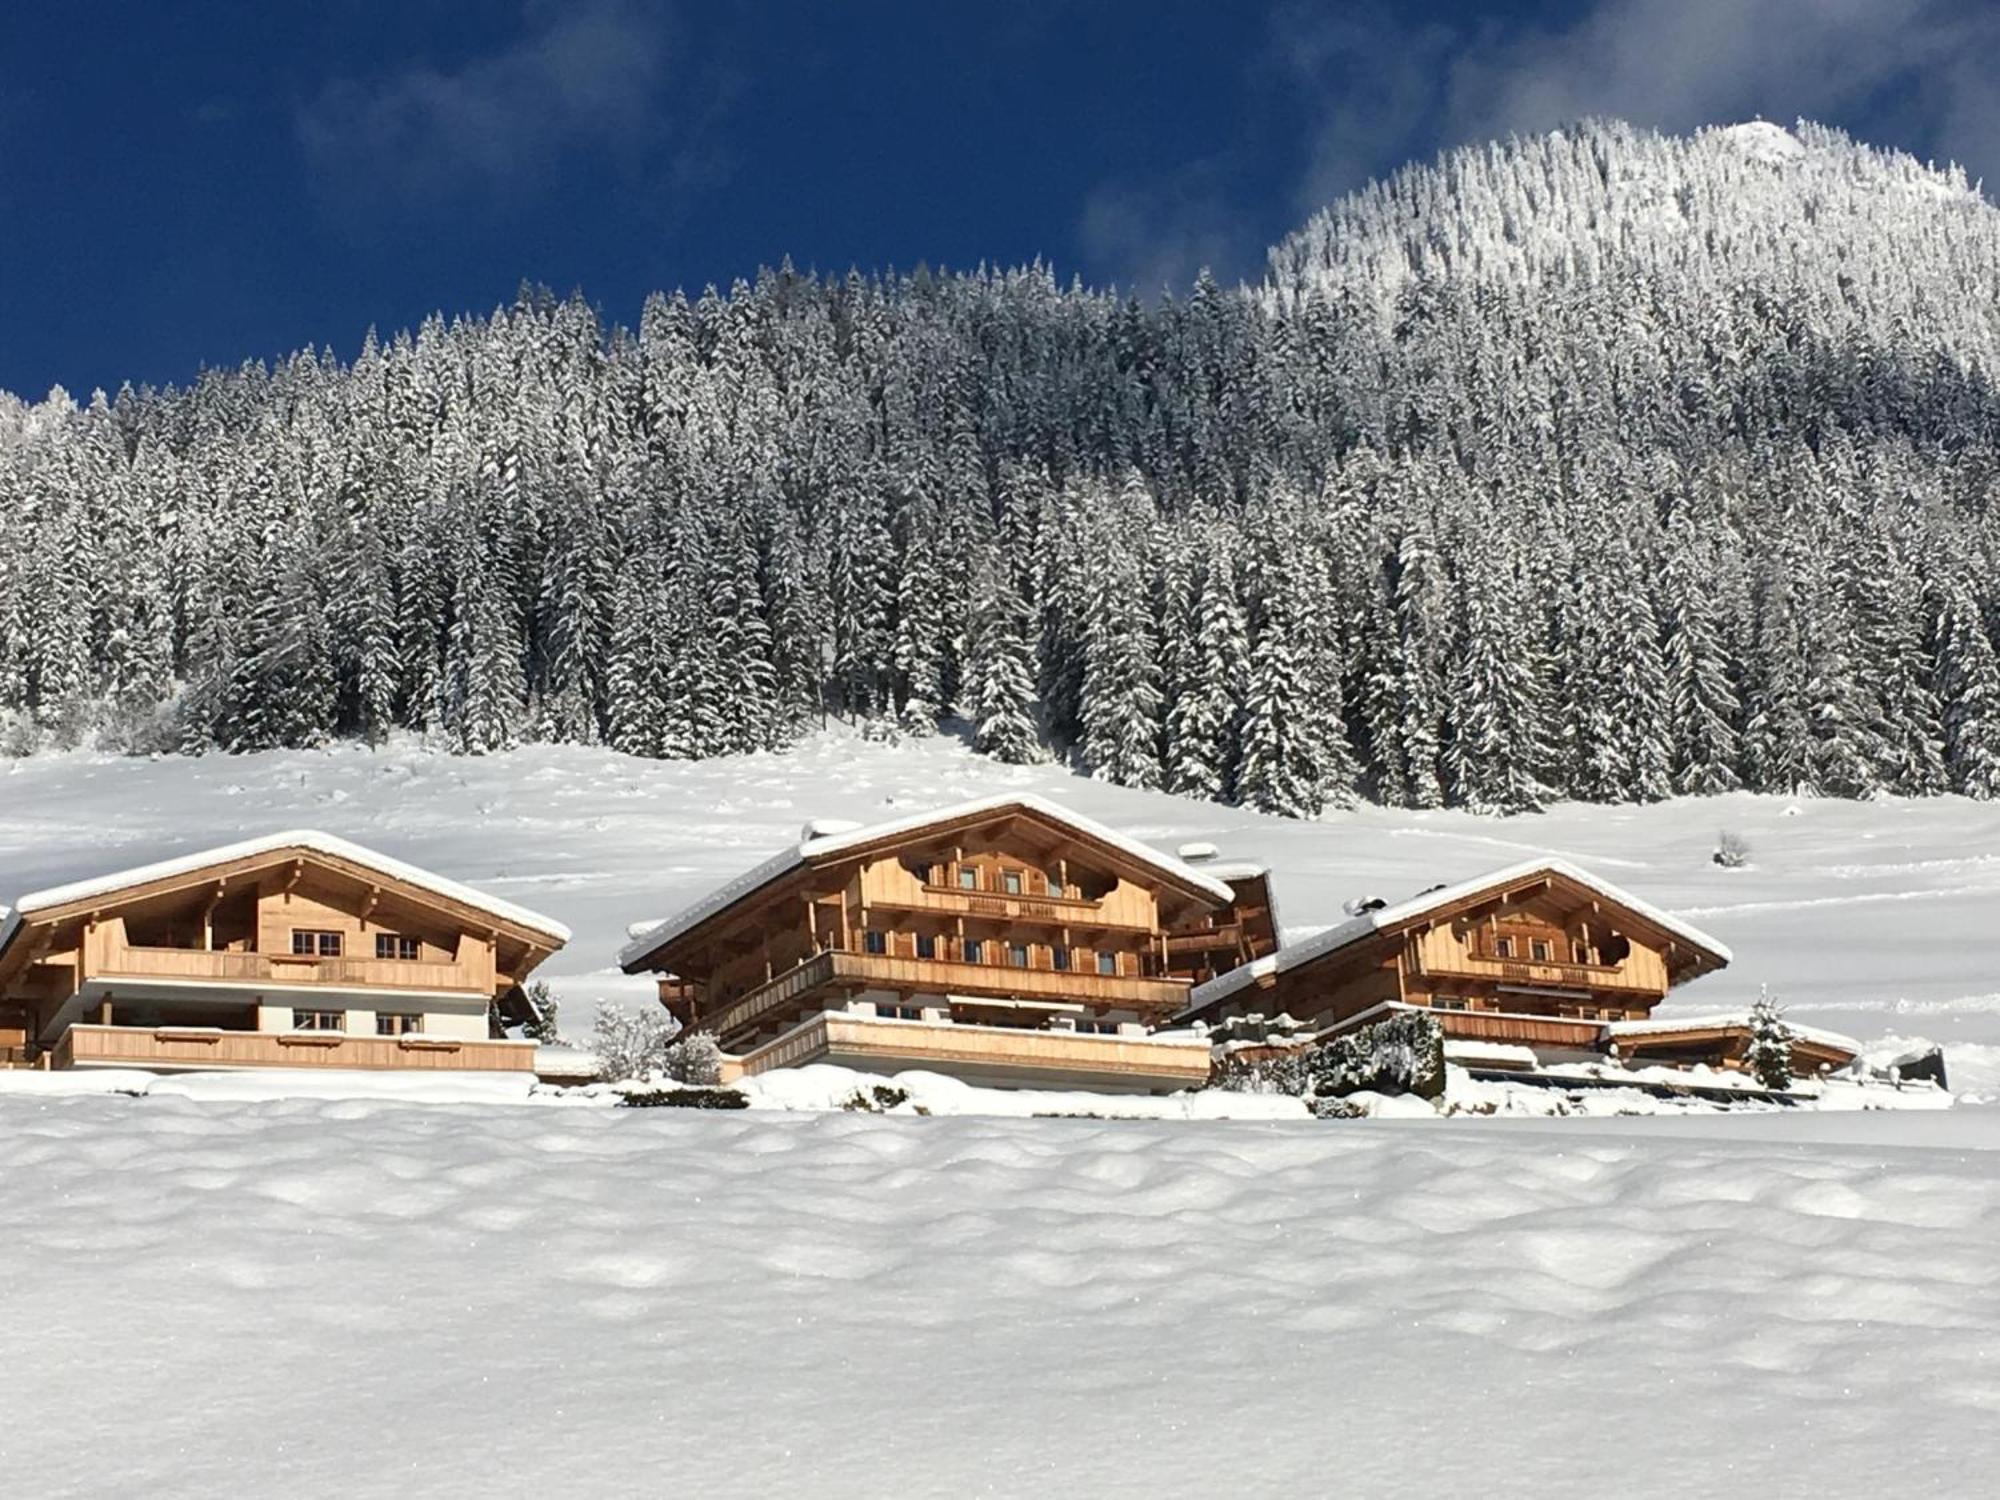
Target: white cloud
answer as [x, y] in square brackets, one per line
[589, 73]
[1914, 74]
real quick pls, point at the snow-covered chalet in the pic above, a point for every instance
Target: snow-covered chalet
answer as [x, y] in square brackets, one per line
[294, 950]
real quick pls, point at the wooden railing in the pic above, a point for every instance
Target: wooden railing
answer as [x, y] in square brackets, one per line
[1005, 906]
[1528, 971]
[283, 968]
[205, 1047]
[1203, 940]
[929, 976]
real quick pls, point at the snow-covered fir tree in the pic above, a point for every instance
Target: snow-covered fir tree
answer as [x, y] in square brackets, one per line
[1504, 484]
[1769, 1053]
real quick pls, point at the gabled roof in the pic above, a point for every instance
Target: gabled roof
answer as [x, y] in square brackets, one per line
[820, 850]
[1355, 929]
[304, 840]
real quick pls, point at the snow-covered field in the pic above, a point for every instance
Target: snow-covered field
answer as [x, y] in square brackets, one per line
[364, 1299]
[372, 1297]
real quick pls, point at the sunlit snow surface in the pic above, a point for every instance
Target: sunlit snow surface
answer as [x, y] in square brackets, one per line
[367, 1297]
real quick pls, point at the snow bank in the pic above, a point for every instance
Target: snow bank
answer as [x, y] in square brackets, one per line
[361, 1298]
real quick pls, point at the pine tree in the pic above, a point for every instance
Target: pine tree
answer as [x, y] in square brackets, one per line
[1204, 721]
[1492, 756]
[1769, 1053]
[1000, 682]
[1969, 680]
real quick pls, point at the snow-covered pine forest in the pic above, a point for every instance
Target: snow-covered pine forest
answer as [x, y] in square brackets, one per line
[1602, 465]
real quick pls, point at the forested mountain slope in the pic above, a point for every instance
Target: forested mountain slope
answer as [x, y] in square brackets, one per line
[1601, 464]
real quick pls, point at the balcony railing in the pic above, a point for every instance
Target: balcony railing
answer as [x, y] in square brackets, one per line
[1006, 906]
[930, 976]
[209, 1047]
[140, 962]
[1529, 971]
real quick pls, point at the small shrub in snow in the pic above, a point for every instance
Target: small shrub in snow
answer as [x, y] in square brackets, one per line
[632, 1043]
[878, 1100]
[1732, 850]
[695, 1058]
[1769, 1055]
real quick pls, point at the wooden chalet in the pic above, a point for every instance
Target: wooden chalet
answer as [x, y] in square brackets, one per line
[1539, 955]
[1240, 933]
[1006, 941]
[295, 950]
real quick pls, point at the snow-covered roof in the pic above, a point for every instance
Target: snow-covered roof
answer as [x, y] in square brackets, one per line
[816, 849]
[1660, 1025]
[309, 839]
[1341, 934]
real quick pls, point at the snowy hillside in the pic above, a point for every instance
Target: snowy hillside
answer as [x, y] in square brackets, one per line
[1869, 918]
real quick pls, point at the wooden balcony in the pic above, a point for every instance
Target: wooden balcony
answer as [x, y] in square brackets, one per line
[280, 969]
[1568, 976]
[199, 1047]
[1206, 939]
[1003, 906]
[993, 1056]
[928, 976]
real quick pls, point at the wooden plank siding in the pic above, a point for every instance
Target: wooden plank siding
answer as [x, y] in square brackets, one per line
[1058, 1058]
[193, 1047]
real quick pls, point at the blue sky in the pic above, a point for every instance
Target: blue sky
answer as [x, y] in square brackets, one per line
[192, 182]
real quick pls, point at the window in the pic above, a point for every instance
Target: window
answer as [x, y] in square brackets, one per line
[314, 944]
[1539, 949]
[968, 878]
[899, 1012]
[1587, 1013]
[318, 1020]
[1503, 947]
[1010, 882]
[389, 1024]
[1017, 955]
[1107, 963]
[399, 947]
[1447, 1002]
[1579, 953]
[926, 945]
[874, 942]
[974, 951]
[1061, 957]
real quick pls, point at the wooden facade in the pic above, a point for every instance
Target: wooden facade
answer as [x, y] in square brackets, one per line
[1540, 955]
[296, 951]
[1010, 918]
[1227, 938]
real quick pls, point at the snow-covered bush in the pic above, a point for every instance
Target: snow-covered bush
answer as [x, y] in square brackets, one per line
[632, 1043]
[878, 1100]
[695, 1058]
[544, 1026]
[1285, 1073]
[1732, 850]
[1401, 1055]
[1769, 1055]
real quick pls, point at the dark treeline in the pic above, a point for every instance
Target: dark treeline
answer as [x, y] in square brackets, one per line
[1603, 465]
